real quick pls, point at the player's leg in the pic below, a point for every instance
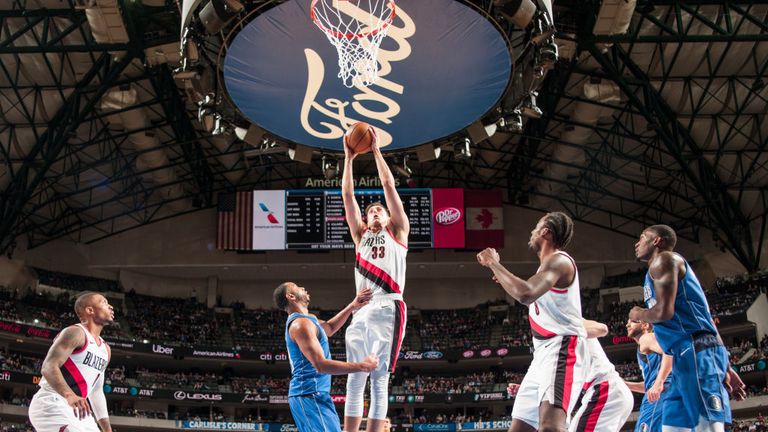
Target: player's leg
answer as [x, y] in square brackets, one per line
[525, 410]
[675, 416]
[551, 418]
[592, 408]
[357, 350]
[310, 413]
[387, 337]
[710, 395]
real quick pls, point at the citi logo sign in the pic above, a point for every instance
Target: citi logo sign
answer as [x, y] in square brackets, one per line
[447, 216]
[159, 349]
[270, 216]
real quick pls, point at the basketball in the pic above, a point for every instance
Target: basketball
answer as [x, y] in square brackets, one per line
[359, 137]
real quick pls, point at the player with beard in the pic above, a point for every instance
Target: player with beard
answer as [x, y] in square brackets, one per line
[381, 243]
[71, 390]
[560, 364]
[656, 367]
[306, 339]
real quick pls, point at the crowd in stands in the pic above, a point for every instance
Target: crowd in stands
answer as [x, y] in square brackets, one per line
[176, 321]
[187, 322]
[75, 282]
[468, 328]
[15, 427]
[16, 362]
[751, 425]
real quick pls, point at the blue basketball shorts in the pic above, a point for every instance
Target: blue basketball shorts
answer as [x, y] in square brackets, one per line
[314, 413]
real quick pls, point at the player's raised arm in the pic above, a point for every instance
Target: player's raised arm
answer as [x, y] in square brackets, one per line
[398, 218]
[351, 208]
[554, 269]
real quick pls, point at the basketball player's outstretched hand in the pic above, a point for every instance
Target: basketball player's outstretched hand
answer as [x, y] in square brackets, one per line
[512, 389]
[348, 153]
[79, 405]
[362, 298]
[735, 385]
[488, 257]
[369, 363]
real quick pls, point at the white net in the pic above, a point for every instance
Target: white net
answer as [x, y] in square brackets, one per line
[356, 28]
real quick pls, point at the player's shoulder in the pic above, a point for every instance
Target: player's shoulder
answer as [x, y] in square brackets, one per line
[666, 260]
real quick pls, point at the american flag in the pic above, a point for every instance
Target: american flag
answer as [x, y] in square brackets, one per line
[235, 217]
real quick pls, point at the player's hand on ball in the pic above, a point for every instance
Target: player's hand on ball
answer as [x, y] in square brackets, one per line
[79, 405]
[369, 363]
[735, 385]
[348, 153]
[488, 257]
[362, 298]
[512, 389]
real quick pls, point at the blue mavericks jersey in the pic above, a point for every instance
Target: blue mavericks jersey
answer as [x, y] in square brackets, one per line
[649, 366]
[304, 378]
[691, 311]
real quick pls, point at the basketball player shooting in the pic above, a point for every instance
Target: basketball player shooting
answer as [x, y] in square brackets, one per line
[381, 244]
[72, 385]
[560, 364]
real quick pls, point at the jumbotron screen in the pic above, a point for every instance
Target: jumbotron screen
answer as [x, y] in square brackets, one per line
[314, 218]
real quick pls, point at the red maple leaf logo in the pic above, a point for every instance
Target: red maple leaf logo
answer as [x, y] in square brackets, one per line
[485, 218]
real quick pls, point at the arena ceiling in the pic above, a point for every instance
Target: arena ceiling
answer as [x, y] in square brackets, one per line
[662, 122]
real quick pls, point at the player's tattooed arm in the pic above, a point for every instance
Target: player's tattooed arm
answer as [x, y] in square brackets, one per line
[665, 272]
[70, 339]
[556, 271]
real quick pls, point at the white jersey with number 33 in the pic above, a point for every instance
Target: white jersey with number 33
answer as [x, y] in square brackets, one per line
[380, 263]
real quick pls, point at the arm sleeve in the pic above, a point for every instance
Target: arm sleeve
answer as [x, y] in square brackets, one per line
[98, 400]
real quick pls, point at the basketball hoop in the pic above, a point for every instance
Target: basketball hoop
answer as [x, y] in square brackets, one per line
[355, 28]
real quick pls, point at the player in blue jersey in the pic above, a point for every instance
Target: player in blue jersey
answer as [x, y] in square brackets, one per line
[656, 367]
[701, 376]
[306, 338]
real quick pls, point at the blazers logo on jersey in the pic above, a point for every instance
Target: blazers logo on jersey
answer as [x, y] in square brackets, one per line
[377, 240]
[94, 361]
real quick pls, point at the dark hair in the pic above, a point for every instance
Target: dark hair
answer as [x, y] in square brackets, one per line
[83, 301]
[561, 227]
[281, 301]
[665, 233]
[377, 203]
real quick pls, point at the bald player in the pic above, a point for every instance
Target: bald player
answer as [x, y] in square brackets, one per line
[71, 392]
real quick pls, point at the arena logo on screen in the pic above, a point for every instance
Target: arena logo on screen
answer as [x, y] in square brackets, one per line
[432, 47]
[448, 216]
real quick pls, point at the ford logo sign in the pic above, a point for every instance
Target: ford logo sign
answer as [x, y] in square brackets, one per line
[433, 355]
[468, 354]
[447, 215]
[485, 353]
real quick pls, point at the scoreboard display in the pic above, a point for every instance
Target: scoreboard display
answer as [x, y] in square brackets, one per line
[315, 219]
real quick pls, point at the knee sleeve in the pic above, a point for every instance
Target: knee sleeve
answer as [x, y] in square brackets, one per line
[353, 406]
[379, 395]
